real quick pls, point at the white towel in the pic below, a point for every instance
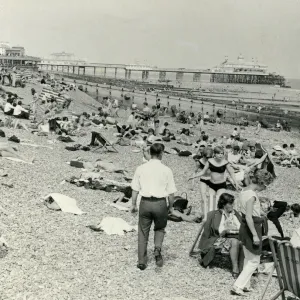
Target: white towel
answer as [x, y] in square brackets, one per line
[65, 203]
[111, 225]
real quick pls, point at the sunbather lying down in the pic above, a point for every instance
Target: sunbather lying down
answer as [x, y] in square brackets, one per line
[7, 151]
[99, 165]
[176, 214]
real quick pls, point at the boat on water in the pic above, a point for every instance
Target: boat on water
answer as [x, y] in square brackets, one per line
[245, 72]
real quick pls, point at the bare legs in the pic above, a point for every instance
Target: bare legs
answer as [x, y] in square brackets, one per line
[203, 190]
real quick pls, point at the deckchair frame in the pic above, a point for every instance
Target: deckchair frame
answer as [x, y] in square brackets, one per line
[287, 265]
[105, 144]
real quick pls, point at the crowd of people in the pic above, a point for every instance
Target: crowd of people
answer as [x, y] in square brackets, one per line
[229, 172]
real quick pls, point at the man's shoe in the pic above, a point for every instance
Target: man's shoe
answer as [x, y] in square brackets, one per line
[142, 267]
[158, 257]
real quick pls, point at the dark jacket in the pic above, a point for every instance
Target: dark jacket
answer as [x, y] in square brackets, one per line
[210, 234]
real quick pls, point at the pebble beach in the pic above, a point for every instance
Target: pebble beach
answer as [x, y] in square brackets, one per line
[54, 255]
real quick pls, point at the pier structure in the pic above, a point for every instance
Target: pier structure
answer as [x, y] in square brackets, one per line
[147, 74]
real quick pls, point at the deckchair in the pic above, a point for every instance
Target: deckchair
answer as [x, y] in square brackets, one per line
[48, 93]
[268, 163]
[192, 252]
[104, 143]
[287, 263]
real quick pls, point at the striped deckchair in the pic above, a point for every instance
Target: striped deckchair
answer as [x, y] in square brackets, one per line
[48, 93]
[287, 264]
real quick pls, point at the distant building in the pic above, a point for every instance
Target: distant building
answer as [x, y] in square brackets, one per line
[3, 47]
[16, 57]
[241, 66]
[245, 72]
[15, 51]
[62, 58]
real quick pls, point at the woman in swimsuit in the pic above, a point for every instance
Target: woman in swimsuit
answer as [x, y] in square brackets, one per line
[218, 165]
[204, 180]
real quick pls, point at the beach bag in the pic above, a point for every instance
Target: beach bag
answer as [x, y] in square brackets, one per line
[185, 153]
[2, 133]
[180, 204]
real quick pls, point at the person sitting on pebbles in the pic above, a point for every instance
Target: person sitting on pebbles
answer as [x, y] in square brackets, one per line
[20, 112]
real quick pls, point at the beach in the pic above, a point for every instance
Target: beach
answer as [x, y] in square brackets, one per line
[54, 255]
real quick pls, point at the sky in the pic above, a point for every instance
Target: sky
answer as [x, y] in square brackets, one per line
[164, 33]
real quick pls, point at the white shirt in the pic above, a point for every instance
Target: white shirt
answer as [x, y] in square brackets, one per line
[229, 222]
[8, 107]
[153, 179]
[245, 196]
[206, 117]
[234, 133]
[18, 109]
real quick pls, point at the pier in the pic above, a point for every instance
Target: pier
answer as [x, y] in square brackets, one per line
[147, 74]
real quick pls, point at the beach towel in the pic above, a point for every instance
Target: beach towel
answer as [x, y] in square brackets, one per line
[111, 225]
[63, 202]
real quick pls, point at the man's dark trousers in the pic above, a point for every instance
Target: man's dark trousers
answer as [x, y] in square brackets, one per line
[151, 209]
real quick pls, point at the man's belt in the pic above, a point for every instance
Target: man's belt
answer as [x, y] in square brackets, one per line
[153, 198]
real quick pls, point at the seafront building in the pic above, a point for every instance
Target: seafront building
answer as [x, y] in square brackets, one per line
[16, 56]
[245, 72]
[63, 59]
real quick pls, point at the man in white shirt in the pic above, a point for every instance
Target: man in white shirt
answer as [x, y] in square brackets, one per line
[154, 182]
[8, 108]
[20, 112]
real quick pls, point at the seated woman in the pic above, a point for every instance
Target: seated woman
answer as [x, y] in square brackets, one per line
[220, 233]
[167, 136]
[151, 136]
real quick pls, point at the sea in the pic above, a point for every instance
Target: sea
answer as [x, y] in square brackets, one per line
[294, 83]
